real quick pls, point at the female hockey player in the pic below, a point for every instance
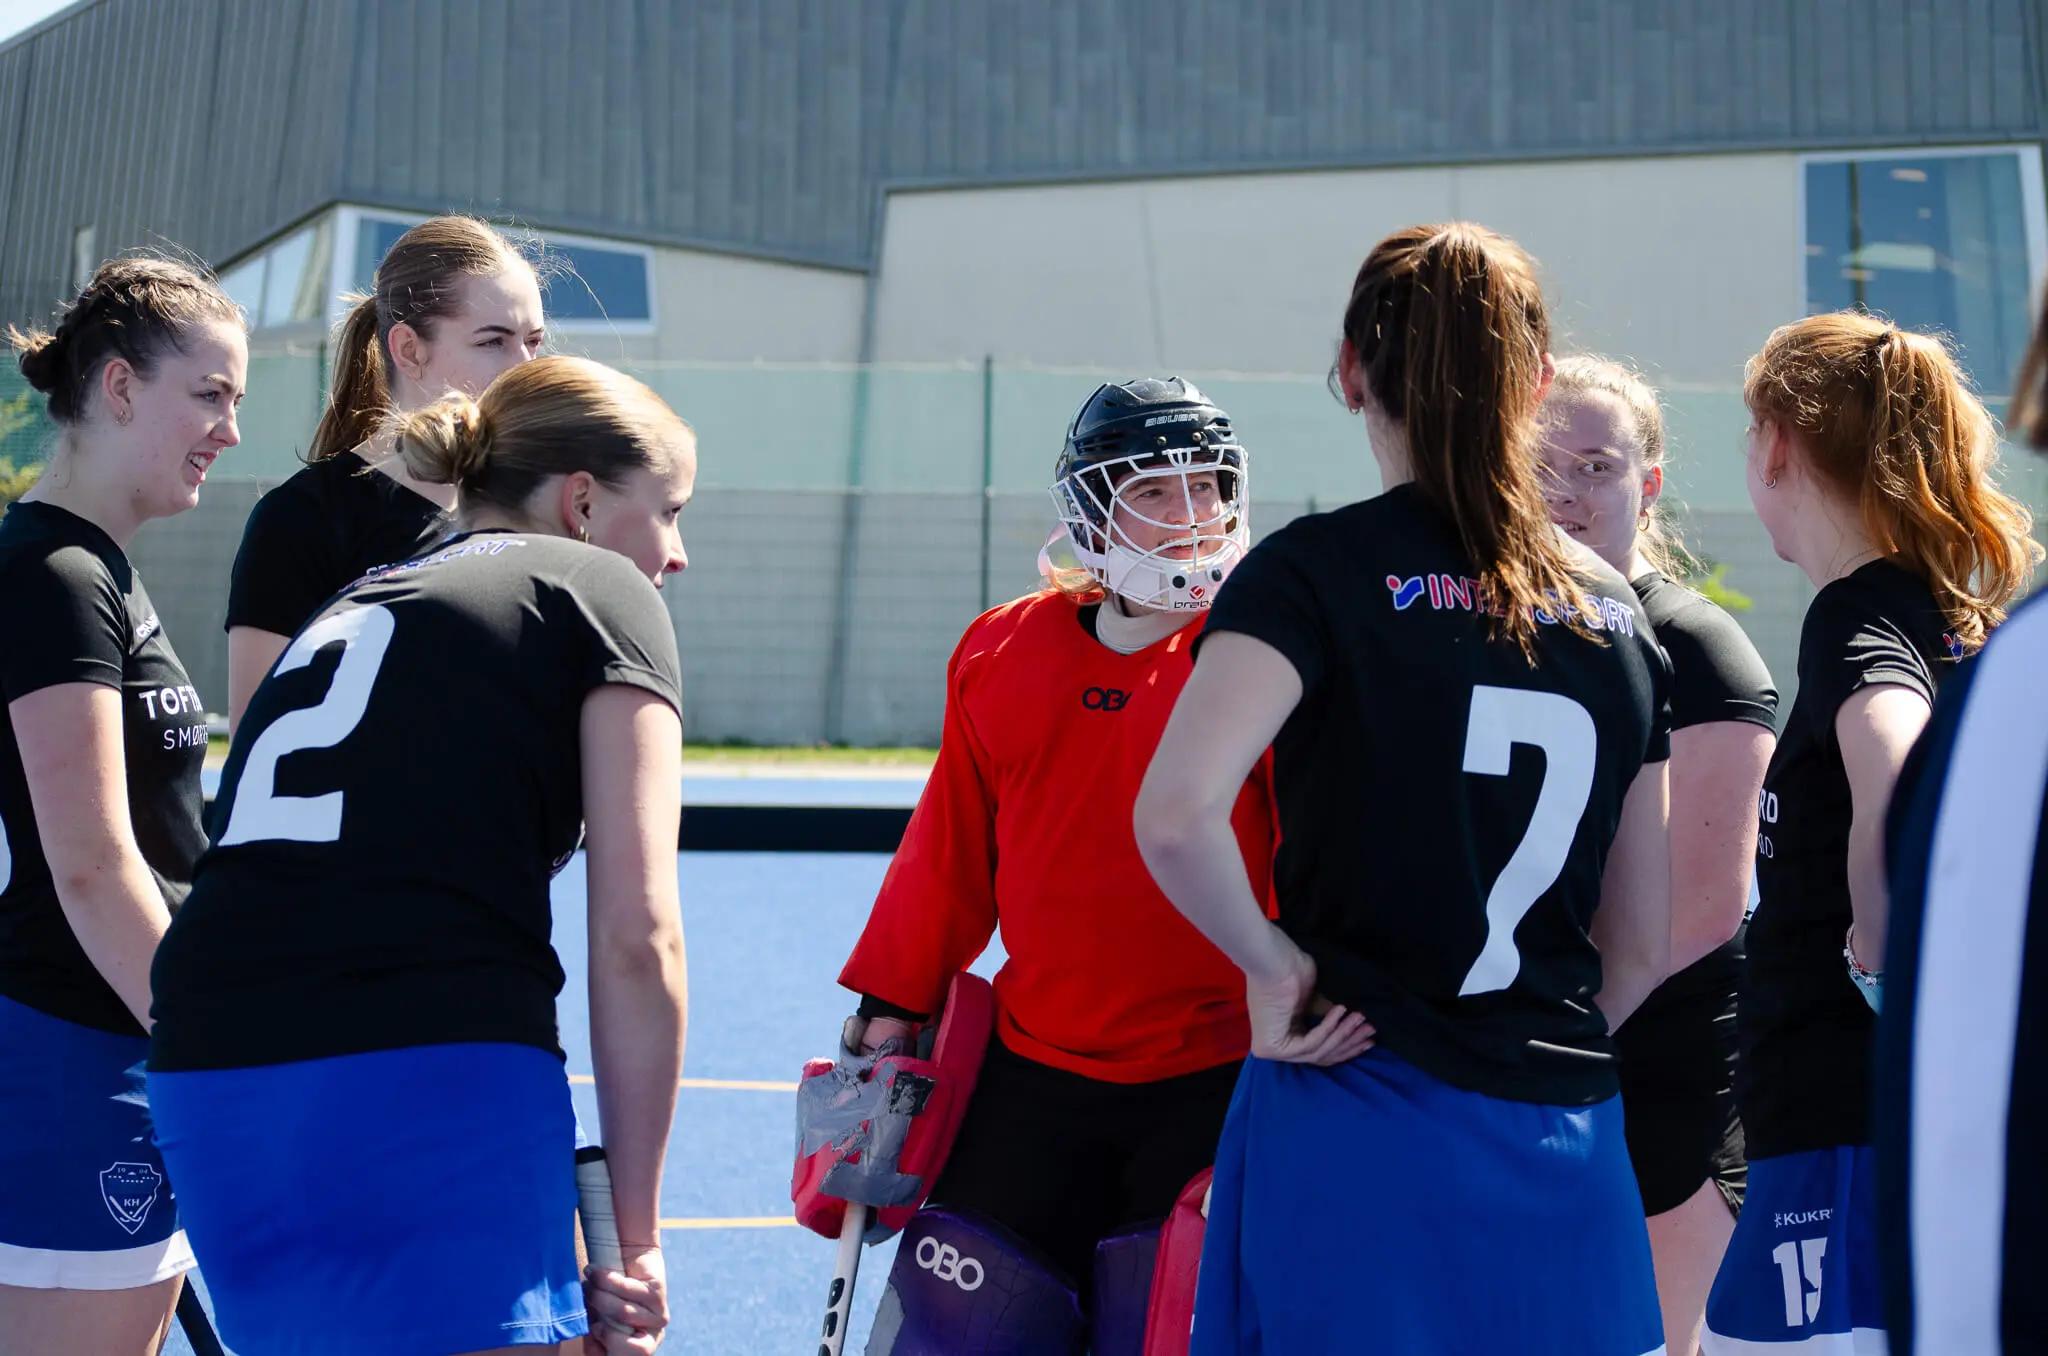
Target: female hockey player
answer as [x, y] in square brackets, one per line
[99, 800]
[354, 1068]
[1870, 464]
[1467, 717]
[452, 306]
[1119, 1030]
[1604, 452]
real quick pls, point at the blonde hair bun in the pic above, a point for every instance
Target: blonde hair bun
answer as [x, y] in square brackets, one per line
[444, 443]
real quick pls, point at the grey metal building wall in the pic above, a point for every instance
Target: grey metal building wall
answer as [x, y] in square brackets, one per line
[771, 126]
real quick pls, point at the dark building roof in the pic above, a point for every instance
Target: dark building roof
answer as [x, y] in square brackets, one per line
[771, 127]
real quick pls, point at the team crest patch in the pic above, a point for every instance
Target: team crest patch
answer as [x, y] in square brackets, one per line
[129, 1190]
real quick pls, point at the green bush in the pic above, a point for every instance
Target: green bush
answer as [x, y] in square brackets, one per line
[15, 480]
[1713, 586]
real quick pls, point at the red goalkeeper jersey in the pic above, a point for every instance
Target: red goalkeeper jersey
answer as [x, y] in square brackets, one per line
[1026, 824]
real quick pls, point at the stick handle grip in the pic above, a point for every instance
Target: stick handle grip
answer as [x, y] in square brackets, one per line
[845, 1268]
[600, 1218]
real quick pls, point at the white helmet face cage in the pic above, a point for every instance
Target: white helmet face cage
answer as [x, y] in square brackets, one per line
[1150, 528]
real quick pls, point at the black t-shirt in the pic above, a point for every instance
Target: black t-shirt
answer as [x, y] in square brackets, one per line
[1431, 777]
[1716, 675]
[403, 786]
[319, 532]
[1803, 1081]
[74, 611]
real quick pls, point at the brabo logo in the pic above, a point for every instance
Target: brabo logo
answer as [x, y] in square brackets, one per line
[1105, 698]
[944, 1261]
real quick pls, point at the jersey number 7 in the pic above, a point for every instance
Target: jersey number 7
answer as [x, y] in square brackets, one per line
[259, 813]
[1501, 718]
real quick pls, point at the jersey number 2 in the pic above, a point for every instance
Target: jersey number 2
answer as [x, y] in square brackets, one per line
[1503, 717]
[259, 812]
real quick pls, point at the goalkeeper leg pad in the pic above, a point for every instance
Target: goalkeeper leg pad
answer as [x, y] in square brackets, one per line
[965, 1284]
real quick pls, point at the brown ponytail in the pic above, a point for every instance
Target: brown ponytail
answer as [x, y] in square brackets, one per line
[418, 283]
[1886, 419]
[1449, 325]
[357, 396]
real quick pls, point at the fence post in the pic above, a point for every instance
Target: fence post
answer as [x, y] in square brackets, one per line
[988, 467]
[836, 663]
[320, 380]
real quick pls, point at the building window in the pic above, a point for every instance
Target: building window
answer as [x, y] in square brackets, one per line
[244, 285]
[594, 283]
[85, 256]
[286, 283]
[1936, 241]
[374, 238]
[584, 283]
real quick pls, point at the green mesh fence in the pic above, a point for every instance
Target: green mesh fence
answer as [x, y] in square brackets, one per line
[850, 520]
[968, 428]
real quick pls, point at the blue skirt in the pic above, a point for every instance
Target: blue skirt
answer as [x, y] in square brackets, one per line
[1801, 1273]
[1372, 1207]
[416, 1201]
[86, 1204]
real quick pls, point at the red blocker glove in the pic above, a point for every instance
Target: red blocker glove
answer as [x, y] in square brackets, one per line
[876, 1129]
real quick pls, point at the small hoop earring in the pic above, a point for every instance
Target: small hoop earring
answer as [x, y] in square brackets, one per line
[1770, 482]
[1643, 520]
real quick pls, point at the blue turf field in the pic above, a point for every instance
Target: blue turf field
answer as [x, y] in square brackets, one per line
[766, 934]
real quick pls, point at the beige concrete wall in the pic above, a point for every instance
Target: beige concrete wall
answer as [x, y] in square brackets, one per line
[1682, 264]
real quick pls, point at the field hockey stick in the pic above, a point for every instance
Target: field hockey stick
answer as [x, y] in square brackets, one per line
[600, 1216]
[198, 1331]
[845, 1267]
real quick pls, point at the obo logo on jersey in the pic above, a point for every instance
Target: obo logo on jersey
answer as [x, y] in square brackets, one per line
[945, 1261]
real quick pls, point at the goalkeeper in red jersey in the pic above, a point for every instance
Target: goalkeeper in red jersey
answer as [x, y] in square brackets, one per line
[1118, 1029]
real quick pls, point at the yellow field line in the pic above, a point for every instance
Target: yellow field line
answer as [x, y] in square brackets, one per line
[716, 1084]
[739, 1084]
[733, 1222]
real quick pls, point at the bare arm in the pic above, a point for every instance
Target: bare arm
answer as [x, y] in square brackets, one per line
[1182, 821]
[1875, 728]
[1632, 927]
[632, 805]
[251, 652]
[71, 754]
[1717, 769]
